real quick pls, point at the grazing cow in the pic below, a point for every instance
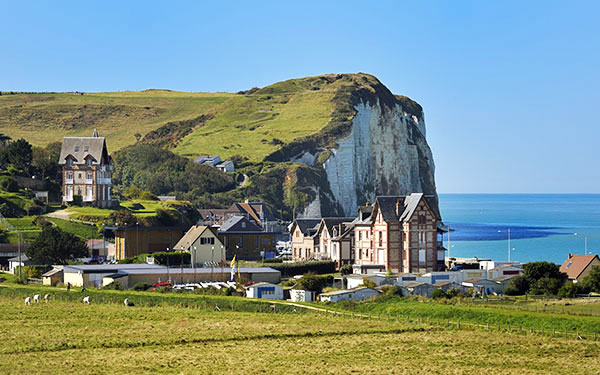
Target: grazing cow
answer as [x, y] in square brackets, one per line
[86, 299]
[36, 298]
[47, 297]
[28, 301]
[127, 302]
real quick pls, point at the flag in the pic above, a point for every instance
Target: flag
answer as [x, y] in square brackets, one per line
[233, 263]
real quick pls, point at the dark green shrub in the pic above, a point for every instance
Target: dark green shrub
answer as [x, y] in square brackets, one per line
[140, 287]
[300, 268]
[77, 200]
[346, 269]
[115, 285]
[274, 260]
[9, 184]
[172, 258]
[395, 290]
[312, 282]
[438, 293]
[517, 286]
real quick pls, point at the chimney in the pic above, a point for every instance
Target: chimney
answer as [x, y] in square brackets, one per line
[398, 207]
[570, 255]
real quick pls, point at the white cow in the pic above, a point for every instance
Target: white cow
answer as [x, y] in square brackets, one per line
[86, 299]
[127, 302]
[47, 297]
[36, 298]
[28, 301]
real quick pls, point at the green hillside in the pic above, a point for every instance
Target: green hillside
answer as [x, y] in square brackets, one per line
[43, 118]
[251, 124]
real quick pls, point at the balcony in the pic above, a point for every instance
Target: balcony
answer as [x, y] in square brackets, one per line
[104, 181]
[69, 181]
[89, 181]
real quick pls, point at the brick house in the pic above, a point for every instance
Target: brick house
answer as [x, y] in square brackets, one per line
[304, 239]
[87, 170]
[400, 233]
[336, 240]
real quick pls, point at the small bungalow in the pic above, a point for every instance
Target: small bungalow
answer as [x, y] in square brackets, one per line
[505, 270]
[53, 277]
[578, 266]
[357, 294]
[447, 285]
[13, 263]
[264, 290]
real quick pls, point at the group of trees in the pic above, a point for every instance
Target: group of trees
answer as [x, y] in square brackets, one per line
[55, 246]
[159, 171]
[545, 278]
[21, 158]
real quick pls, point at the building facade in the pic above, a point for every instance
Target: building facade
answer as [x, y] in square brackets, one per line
[87, 171]
[304, 239]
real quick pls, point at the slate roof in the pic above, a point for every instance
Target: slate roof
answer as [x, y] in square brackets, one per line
[96, 149]
[408, 205]
[234, 224]
[308, 227]
[330, 222]
[576, 264]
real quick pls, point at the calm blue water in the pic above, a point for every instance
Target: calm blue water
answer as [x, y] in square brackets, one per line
[542, 225]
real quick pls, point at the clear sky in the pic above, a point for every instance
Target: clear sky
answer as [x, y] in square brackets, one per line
[510, 89]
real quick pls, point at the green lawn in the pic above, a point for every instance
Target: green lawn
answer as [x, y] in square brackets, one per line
[110, 338]
[137, 207]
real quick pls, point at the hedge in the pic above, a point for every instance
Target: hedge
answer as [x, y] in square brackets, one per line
[300, 268]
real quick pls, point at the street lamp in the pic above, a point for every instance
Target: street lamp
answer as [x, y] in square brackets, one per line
[212, 264]
[168, 270]
[194, 263]
[585, 237]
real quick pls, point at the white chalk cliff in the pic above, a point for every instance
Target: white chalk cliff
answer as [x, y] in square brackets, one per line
[386, 153]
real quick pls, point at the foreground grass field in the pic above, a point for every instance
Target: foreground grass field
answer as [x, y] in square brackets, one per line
[73, 337]
[69, 337]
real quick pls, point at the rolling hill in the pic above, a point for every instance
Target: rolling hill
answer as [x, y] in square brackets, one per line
[314, 145]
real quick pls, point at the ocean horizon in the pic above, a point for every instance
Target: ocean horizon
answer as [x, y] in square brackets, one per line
[542, 226]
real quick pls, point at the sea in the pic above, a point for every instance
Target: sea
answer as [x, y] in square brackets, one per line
[543, 227]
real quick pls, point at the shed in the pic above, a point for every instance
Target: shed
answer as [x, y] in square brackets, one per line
[484, 286]
[419, 289]
[299, 295]
[264, 290]
[54, 276]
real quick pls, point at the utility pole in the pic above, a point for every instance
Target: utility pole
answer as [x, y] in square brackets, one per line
[509, 244]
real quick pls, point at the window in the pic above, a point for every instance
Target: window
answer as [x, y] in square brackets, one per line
[89, 162]
[76, 148]
[70, 176]
[207, 240]
[367, 233]
[70, 162]
[380, 238]
[88, 176]
[360, 235]
[421, 256]
[243, 225]
[86, 148]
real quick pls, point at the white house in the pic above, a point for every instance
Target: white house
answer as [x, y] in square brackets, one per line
[299, 295]
[203, 244]
[264, 290]
[226, 166]
[357, 294]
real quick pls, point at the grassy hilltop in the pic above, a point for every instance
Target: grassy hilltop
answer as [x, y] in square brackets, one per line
[252, 123]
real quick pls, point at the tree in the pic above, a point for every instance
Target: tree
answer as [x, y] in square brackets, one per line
[535, 271]
[122, 218]
[592, 280]
[19, 154]
[517, 286]
[311, 282]
[55, 246]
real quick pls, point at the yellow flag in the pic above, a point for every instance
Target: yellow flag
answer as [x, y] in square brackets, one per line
[233, 262]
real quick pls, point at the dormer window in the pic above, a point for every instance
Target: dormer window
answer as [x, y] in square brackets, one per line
[70, 162]
[76, 148]
[89, 162]
[86, 148]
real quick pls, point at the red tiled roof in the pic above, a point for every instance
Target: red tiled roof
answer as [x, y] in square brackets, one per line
[576, 264]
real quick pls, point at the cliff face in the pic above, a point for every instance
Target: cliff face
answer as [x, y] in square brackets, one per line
[384, 154]
[381, 151]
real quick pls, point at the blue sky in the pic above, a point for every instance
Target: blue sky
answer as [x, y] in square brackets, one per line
[509, 88]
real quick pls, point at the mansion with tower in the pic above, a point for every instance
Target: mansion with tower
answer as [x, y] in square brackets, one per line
[87, 171]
